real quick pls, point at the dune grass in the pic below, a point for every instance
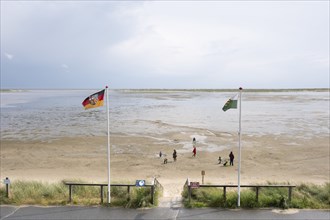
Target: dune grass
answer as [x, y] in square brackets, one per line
[303, 196]
[33, 192]
[41, 193]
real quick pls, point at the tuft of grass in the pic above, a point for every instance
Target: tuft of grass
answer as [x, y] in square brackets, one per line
[140, 197]
[33, 192]
[248, 199]
[312, 196]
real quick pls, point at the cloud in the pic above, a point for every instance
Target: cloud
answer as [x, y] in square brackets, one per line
[64, 66]
[166, 43]
[9, 56]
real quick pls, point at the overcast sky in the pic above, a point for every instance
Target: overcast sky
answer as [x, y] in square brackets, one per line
[165, 44]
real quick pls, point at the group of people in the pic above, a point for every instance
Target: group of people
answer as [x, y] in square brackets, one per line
[194, 151]
[165, 159]
[231, 160]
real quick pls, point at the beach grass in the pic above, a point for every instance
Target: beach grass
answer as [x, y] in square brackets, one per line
[43, 193]
[303, 196]
[34, 192]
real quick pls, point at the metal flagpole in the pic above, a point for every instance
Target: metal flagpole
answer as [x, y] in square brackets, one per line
[239, 148]
[107, 99]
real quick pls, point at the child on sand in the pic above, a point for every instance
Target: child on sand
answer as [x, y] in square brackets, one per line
[220, 160]
[174, 155]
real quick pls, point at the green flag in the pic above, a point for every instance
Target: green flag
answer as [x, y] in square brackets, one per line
[231, 103]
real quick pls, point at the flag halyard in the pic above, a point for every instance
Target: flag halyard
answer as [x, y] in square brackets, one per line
[95, 100]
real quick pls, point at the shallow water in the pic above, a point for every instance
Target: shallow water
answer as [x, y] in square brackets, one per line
[50, 114]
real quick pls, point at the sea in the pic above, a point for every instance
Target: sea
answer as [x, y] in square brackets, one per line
[51, 114]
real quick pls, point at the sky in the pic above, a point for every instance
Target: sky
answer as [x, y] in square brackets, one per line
[164, 44]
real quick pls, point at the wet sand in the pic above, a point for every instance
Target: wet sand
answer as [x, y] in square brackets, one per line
[264, 158]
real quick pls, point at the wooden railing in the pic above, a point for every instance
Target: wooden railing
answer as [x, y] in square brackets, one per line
[153, 186]
[257, 189]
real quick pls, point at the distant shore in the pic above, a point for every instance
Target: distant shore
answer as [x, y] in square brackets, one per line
[178, 90]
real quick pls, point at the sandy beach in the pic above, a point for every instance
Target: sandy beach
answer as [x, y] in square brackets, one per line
[264, 158]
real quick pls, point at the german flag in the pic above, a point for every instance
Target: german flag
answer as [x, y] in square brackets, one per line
[95, 100]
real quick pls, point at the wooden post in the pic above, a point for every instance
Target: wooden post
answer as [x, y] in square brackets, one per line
[189, 193]
[128, 193]
[290, 193]
[7, 190]
[224, 193]
[7, 182]
[70, 193]
[257, 194]
[152, 194]
[203, 174]
[101, 194]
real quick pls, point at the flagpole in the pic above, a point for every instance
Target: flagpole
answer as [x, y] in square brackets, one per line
[107, 99]
[239, 148]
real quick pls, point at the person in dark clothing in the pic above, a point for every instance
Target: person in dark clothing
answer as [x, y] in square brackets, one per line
[231, 157]
[174, 155]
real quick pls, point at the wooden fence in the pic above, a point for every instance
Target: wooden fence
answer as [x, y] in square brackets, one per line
[153, 187]
[257, 187]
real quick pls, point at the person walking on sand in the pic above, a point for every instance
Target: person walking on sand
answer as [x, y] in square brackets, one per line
[231, 157]
[194, 152]
[174, 155]
[194, 147]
